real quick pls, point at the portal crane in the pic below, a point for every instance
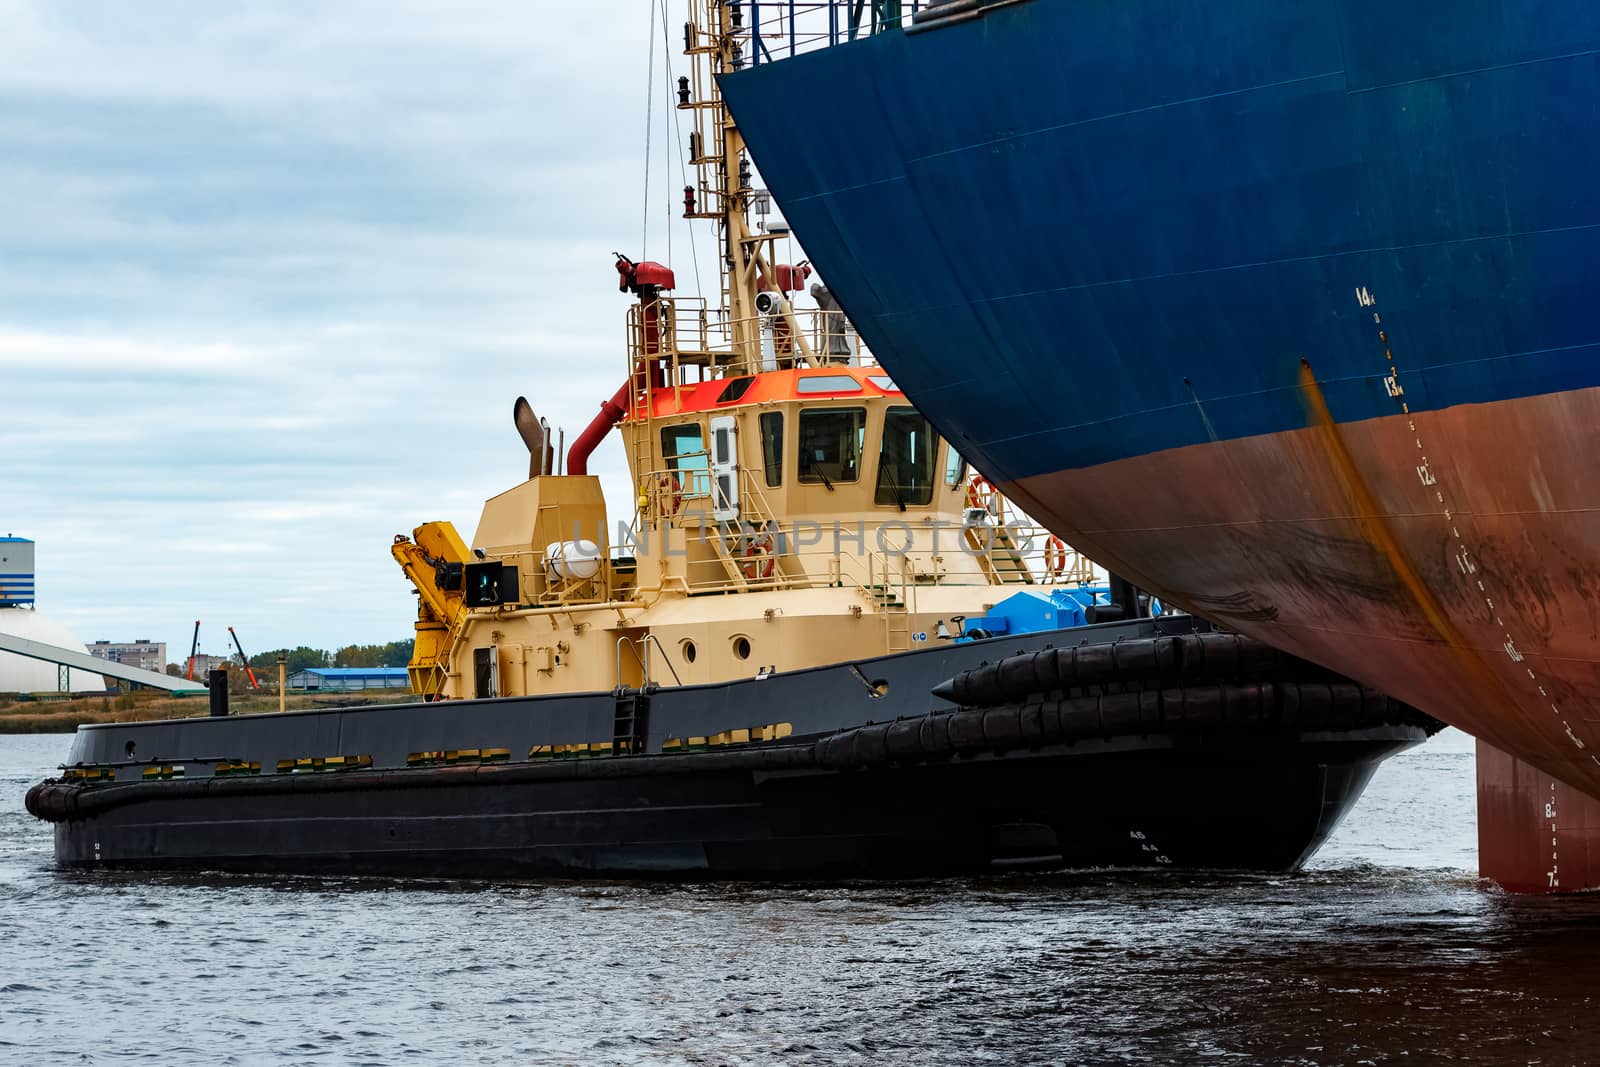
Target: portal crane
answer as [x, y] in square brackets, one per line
[194, 648]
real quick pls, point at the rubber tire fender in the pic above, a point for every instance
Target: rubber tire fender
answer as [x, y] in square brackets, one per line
[1001, 728]
[966, 730]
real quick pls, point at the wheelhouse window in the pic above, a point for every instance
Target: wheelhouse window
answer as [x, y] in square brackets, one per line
[955, 467]
[827, 383]
[905, 461]
[684, 447]
[772, 447]
[831, 440]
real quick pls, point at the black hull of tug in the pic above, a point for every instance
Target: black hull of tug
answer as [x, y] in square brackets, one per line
[1264, 806]
[1145, 742]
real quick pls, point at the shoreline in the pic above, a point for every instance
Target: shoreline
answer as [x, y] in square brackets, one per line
[65, 716]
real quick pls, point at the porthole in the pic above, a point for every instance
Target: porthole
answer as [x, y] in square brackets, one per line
[688, 652]
[741, 647]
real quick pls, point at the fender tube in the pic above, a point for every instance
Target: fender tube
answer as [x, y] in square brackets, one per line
[1227, 710]
[1140, 662]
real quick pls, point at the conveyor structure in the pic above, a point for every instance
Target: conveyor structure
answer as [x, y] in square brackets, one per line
[82, 661]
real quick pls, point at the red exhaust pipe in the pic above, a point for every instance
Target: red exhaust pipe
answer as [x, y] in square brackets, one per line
[647, 279]
[611, 413]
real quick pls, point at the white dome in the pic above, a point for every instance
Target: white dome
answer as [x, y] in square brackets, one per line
[19, 674]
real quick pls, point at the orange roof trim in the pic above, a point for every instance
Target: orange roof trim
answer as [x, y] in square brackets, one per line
[821, 383]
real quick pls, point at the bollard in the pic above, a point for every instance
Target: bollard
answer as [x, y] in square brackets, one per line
[219, 693]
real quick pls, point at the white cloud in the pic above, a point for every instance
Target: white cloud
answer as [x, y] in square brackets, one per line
[273, 277]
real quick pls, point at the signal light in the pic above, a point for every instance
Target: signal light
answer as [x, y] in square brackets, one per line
[490, 583]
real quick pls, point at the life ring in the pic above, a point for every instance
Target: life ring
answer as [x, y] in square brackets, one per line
[760, 562]
[1055, 556]
[981, 494]
[669, 494]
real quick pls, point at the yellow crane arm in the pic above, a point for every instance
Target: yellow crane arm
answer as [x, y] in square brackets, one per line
[428, 559]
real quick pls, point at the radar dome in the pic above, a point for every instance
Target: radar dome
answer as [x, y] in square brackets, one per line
[20, 674]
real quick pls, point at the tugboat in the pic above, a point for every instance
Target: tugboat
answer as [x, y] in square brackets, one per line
[820, 647]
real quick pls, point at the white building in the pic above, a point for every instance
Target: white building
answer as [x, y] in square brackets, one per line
[19, 674]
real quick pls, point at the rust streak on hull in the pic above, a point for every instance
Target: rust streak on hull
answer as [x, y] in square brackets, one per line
[1369, 514]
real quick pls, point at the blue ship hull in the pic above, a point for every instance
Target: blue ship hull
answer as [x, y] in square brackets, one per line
[1286, 310]
[1128, 222]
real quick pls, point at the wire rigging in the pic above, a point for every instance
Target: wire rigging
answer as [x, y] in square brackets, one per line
[683, 169]
[649, 125]
[667, 117]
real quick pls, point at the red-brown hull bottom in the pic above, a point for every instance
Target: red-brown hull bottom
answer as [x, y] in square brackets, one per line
[1450, 558]
[1535, 834]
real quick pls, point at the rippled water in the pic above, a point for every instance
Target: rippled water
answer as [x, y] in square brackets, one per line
[1387, 951]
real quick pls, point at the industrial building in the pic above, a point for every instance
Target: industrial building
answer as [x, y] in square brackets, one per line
[342, 679]
[16, 572]
[204, 664]
[18, 619]
[144, 654]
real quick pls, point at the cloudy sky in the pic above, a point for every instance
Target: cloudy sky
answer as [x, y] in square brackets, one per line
[272, 275]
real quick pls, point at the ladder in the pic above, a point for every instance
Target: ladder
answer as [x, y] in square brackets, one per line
[731, 564]
[897, 626]
[999, 555]
[640, 412]
[631, 725]
[891, 603]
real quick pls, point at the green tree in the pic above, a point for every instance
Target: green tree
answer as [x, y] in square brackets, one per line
[398, 653]
[299, 659]
[390, 654]
[357, 656]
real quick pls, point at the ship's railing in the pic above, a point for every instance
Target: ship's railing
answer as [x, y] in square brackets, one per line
[684, 332]
[554, 590]
[644, 659]
[667, 493]
[1050, 561]
[997, 528]
[780, 29]
[994, 534]
[684, 495]
[819, 567]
